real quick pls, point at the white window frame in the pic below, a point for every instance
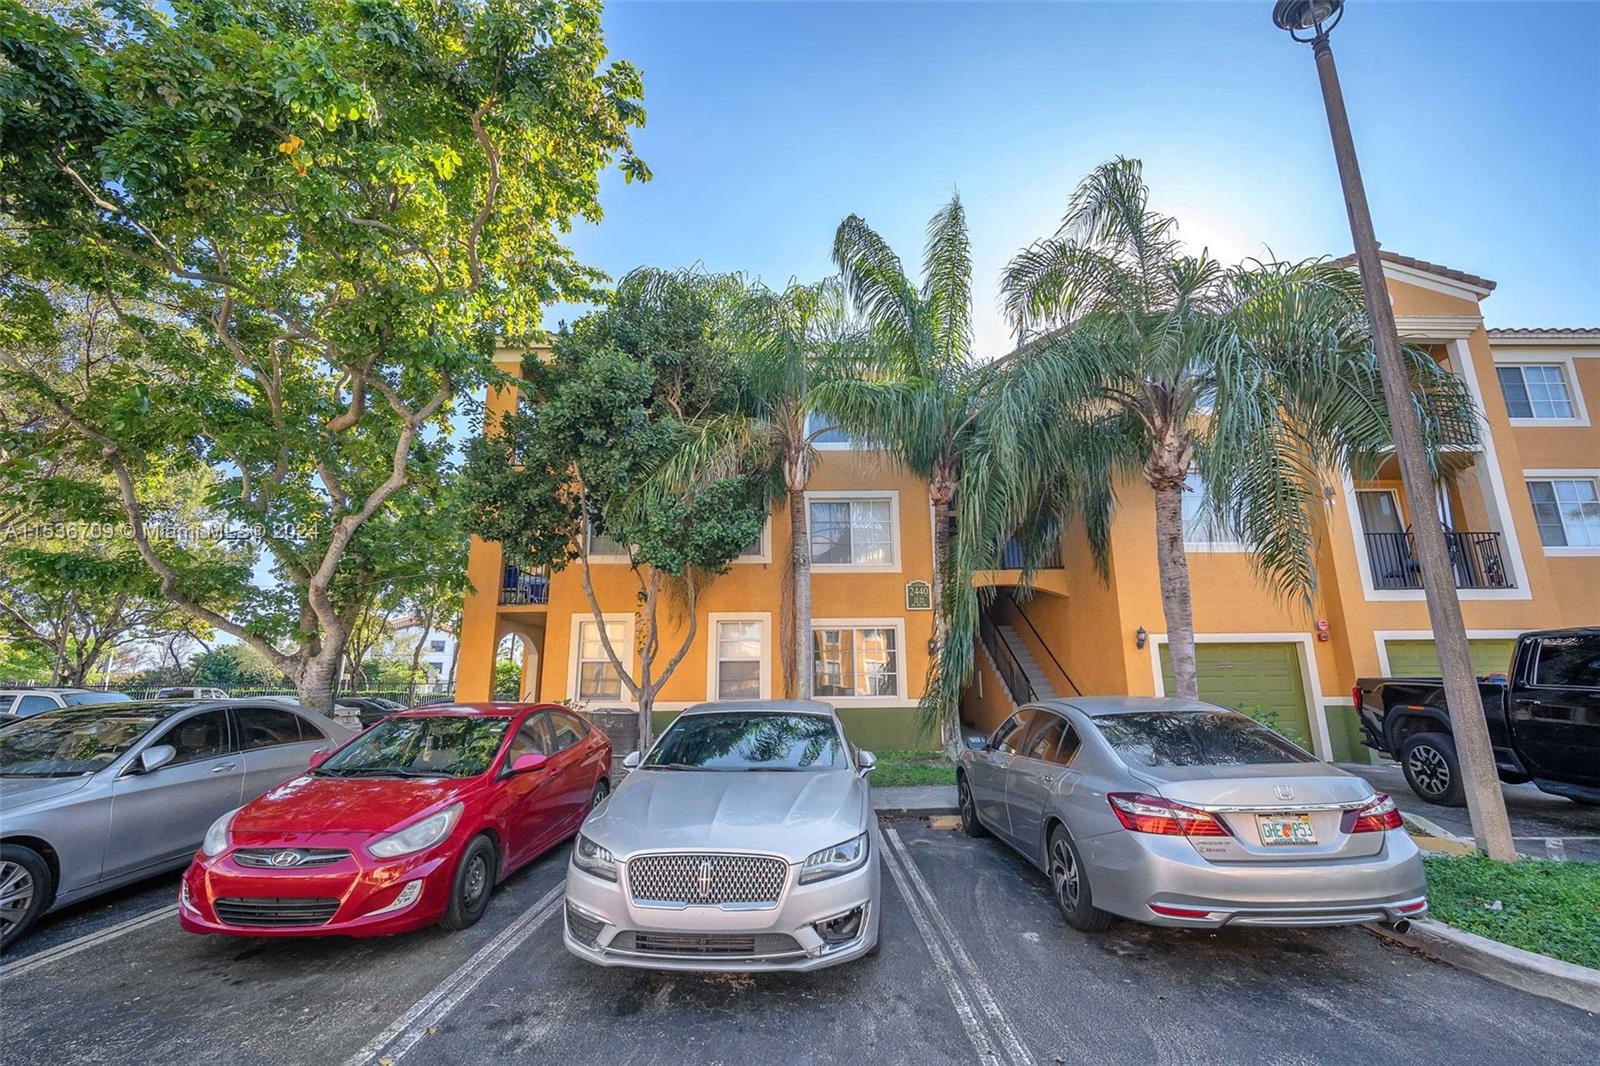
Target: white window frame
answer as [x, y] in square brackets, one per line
[588, 540]
[817, 420]
[893, 496]
[763, 553]
[900, 699]
[1569, 377]
[625, 653]
[1223, 545]
[1562, 475]
[714, 663]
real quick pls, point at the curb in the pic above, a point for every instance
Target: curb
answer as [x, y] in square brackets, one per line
[914, 812]
[1528, 971]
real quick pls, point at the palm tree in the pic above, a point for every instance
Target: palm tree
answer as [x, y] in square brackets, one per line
[1139, 359]
[786, 337]
[909, 383]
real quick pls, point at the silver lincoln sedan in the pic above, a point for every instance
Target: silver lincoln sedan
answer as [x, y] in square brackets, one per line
[744, 840]
[1180, 813]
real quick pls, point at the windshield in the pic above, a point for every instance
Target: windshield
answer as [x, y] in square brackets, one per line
[75, 740]
[1189, 738]
[744, 741]
[425, 746]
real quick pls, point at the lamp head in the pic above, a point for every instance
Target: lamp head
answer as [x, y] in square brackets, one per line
[1317, 17]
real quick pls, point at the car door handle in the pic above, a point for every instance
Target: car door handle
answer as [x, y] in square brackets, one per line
[223, 767]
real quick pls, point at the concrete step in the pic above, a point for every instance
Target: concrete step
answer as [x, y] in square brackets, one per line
[1030, 666]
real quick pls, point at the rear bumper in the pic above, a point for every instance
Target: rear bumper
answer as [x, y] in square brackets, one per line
[611, 924]
[366, 890]
[1131, 874]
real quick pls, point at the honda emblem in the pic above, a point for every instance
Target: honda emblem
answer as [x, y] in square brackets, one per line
[1284, 792]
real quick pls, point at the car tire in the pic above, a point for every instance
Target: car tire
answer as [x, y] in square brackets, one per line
[27, 887]
[602, 789]
[969, 809]
[1069, 883]
[1432, 769]
[472, 885]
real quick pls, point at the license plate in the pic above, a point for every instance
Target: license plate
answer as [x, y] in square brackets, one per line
[1280, 829]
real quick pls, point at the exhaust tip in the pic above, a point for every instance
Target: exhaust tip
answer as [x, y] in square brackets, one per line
[1401, 925]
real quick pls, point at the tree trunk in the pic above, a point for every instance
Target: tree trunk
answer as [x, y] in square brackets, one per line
[314, 684]
[416, 657]
[800, 564]
[1173, 566]
[949, 717]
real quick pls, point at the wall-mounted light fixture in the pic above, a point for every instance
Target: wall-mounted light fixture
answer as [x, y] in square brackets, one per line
[1140, 638]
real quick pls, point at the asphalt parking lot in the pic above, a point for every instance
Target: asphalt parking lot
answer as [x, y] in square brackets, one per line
[1545, 826]
[976, 967]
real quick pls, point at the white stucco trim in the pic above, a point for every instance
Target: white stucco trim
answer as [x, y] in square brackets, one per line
[626, 653]
[1573, 474]
[893, 496]
[1310, 679]
[1569, 374]
[899, 626]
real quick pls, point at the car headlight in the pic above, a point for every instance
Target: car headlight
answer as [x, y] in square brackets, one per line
[592, 858]
[216, 839]
[419, 835]
[831, 862]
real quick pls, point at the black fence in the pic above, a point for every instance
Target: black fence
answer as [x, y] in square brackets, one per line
[1011, 557]
[521, 588]
[1005, 660]
[1478, 560]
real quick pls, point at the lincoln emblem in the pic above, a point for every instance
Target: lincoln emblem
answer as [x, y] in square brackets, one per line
[703, 880]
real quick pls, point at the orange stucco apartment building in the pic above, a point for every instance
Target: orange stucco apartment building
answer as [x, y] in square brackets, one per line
[1522, 511]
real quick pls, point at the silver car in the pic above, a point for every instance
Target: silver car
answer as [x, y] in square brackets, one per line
[744, 840]
[1180, 813]
[95, 797]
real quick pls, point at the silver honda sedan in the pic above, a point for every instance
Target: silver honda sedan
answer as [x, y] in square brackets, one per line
[744, 840]
[1180, 813]
[96, 797]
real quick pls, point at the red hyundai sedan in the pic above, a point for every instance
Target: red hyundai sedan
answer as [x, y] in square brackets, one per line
[412, 822]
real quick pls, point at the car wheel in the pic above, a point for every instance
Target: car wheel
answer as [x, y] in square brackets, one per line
[474, 882]
[598, 796]
[26, 889]
[969, 810]
[1070, 883]
[1432, 769]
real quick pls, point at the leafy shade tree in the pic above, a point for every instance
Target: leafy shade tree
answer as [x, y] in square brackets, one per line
[334, 210]
[910, 383]
[234, 667]
[580, 458]
[1141, 360]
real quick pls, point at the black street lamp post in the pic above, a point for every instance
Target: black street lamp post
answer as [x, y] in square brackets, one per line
[1310, 21]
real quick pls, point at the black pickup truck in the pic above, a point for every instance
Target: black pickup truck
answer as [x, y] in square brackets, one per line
[1543, 715]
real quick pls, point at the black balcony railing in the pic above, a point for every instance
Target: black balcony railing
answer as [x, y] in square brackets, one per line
[1478, 559]
[519, 588]
[1011, 557]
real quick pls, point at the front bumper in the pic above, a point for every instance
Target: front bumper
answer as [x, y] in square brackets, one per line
[613, 931]
[366, 891]
[1132, 873]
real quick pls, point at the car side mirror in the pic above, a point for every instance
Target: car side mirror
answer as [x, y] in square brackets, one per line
[978, 743]
[866, 762]
[318, 757]
[531, 761]
[156, 756]
[632, 761]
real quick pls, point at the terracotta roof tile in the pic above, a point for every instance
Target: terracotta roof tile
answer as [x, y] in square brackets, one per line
[1552, 332]
[1422, 264]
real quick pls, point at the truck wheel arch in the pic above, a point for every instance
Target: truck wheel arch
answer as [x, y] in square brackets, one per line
[1406, 720]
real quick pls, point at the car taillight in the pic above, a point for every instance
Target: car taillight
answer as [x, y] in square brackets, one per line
[1355, 697]
[1379, 816]
[1143, 813]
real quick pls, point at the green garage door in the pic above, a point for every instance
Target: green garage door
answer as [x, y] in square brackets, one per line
[1417, 658]
[1253, 678]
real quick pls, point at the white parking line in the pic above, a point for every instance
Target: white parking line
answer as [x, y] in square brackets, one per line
[83, 943]
[941, 962]
[406, 1031]
[991, 1007]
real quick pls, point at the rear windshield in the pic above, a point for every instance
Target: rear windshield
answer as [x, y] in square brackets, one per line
[1196, 738]
[744, 741]
[85, 699]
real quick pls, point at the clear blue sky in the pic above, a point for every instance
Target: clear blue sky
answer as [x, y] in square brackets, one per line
[1478, 126]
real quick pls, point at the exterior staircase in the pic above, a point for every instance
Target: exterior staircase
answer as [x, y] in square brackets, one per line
[1040, 682]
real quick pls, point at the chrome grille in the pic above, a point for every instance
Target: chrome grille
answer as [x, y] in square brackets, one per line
[274, 911]
[274, 858]
[692, 880]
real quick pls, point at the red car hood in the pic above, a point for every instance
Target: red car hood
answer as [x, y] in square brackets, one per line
[310, 804]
